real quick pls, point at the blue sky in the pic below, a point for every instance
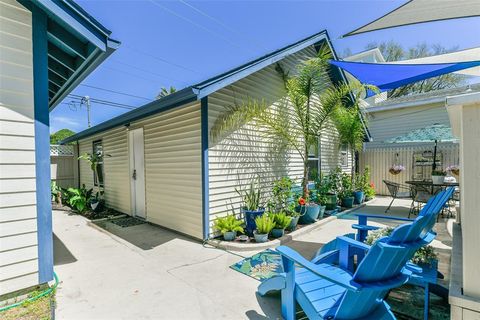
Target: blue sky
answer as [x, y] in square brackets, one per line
[178, 43]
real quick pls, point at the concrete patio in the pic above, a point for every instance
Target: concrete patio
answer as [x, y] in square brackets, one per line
[147, 272]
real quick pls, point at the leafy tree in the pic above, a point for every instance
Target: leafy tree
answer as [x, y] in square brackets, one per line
[299, 123]
[393, 51]
[165, 92]
[58, 136]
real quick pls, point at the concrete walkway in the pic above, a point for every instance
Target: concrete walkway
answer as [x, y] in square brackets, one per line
[147, 272]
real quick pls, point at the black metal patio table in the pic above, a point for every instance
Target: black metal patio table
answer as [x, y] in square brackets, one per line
[432, 188]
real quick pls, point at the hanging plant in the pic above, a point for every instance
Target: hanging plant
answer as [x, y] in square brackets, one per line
[396, 169]
[454, 169]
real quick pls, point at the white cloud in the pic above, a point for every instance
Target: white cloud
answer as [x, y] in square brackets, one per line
[61, 122]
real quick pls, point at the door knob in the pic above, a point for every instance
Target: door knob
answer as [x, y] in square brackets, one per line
[134, 175]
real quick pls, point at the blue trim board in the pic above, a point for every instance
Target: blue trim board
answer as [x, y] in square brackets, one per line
[42, 145]
[205, 181]
[203, 89]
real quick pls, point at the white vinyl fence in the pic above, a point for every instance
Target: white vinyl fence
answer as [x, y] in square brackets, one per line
[381, 159]
[63, 165]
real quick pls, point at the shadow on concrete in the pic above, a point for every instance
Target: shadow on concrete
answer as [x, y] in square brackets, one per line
[145, 236]
[61, 254]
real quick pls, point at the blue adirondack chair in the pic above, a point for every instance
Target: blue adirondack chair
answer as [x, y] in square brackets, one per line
[435, 204]
[330, 288]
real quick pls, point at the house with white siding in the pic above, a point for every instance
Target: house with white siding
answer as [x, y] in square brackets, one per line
[163, 166]
[395, 117]
[46, 49]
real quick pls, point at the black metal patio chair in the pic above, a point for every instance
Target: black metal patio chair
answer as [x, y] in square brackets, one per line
[397, 191]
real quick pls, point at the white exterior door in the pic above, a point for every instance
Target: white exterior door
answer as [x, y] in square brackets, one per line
[137, 172]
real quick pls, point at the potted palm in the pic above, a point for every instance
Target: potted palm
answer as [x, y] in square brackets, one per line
[346, 191]
[228, 226]
[251, 206]
[281, 221]
[298, 123]
[264, 224]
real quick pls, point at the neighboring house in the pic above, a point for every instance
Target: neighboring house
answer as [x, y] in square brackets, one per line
[398, 116]
[160, 163]
[46, 49]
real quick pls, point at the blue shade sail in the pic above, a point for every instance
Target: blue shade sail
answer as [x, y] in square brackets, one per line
[390, 76]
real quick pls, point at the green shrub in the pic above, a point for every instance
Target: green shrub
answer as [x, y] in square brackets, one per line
[227, 224]
[265, 224]
[79, 198]
[346, 189]
[282, 193]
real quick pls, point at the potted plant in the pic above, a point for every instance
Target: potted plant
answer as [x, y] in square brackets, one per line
[56, 192]
[346, 191]
[360, 185]
[264, 224]
[308, 210]
[281, 221]
[330, 184]
[228, 226]
[292, 213]
[251, 206]
[438, 176]
[94, 160]
[396, 169]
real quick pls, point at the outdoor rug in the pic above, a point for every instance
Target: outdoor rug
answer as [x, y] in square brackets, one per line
[260, 266]
[406, 302]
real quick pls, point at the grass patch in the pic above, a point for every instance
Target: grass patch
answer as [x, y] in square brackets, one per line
[40, 309]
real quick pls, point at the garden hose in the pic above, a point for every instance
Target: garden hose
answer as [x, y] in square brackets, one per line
[42, 294]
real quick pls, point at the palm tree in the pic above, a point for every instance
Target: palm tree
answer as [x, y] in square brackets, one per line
[165, 92]
[351, 129]
[312, 102]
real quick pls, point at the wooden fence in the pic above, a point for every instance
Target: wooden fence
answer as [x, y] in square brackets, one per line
[63, 165]
[381, 159]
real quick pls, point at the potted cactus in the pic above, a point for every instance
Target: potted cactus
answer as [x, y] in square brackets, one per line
[264, 224]
[281, 221]
[228, 226]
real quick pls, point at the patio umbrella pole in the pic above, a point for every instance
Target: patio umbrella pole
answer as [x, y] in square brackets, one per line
[434, 165]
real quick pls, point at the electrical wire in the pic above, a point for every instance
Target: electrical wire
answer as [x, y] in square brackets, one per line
[203, 13]
[117, 92]
[199, 25]
[143, 70]
[130, 74]
[161, 59]
[104, 102]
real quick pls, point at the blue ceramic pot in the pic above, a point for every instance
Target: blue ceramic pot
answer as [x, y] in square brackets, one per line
[309, 213]
[260, 237]
[229, 235]
[358, 196]
[321, 212]
[348, 202]
[277, 233]
[250, 216]
[293, 223]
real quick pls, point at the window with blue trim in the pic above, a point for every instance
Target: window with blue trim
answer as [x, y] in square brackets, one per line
[98, 150]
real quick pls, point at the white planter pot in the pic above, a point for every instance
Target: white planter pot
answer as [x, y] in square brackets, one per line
[438, 179]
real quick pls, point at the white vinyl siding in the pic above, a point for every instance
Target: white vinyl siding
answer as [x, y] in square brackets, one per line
[115, 167]
[173, 174]
[18, 213]
[173, 171]
[242, 156]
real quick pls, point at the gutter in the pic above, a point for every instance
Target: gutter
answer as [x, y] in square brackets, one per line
[406, 104]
